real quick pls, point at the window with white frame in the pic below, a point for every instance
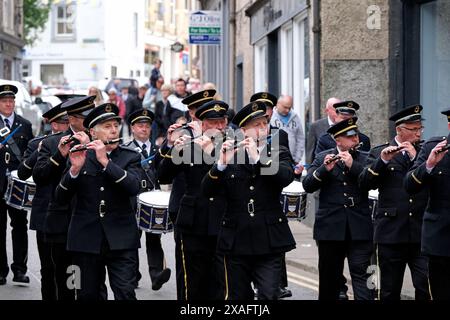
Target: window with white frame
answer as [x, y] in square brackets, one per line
[260, 51]
[8, 16]
[173, 15]
[287, 69]
[64, 21]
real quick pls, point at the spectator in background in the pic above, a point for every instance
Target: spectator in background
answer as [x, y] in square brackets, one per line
[153, 95]
[320, 127]
[94, 91]
[180, 93]
[114, 98]
[212, 86]
[155, 73]
[165, 115]
[285, 118]
[124, 92]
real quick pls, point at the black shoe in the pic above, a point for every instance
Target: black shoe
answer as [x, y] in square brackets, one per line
[138, 277]
[160, 279]
[284, 293]
[2, 281]
[343, 295]
[21, 279]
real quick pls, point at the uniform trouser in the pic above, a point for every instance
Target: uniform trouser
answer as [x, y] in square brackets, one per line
[48, 284]
[283, 275]
[438, 268]
[155, 254]
[60, 260]
[121, 266]
[331, 265]
[263, 270]
[392, 261]
[178, 265]
[202, 268]
[19, 239]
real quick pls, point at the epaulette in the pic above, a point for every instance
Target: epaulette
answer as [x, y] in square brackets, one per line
[384, 145]
[325, 152]
[124, 147]
[435, 139]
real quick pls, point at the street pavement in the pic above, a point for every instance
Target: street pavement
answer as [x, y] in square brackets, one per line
[303, 284]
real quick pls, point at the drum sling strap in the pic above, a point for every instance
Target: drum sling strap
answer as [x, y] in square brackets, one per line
[12, 144]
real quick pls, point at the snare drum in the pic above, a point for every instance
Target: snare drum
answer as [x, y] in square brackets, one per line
[153, 213]
[373, 202]
[19, 194]
[293, 201]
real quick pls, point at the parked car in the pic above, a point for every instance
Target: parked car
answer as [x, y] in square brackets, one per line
[120, 83]
[25, 106]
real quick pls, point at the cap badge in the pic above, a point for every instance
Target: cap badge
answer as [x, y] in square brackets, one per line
[350, 104]
[254, 107]
[7, 88]
[264, 96]
[350, 121]
[216, 108]
[145, 113]
[206, 94]
[108, 108]
[417, 109]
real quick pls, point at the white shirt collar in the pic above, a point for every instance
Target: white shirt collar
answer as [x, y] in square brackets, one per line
[147, 144]
[330, 123]
[10, 119]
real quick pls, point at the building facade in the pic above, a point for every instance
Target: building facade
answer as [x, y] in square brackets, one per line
[167, 23]
[89, 41]
[11, 39]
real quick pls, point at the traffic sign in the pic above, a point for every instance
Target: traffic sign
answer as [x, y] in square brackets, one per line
[205, 27]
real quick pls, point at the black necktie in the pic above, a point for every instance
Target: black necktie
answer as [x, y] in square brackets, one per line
[7, 123]
[144, 151]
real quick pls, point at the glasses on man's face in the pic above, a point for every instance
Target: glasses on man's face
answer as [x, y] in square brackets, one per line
[419, 129]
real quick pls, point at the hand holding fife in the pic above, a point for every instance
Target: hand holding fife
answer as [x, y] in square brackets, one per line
[227, 152]
[435, 156]
[346, 158]
[330, 161]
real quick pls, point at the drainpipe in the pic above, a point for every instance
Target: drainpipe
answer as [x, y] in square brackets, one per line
[316, 44]
[232, 69]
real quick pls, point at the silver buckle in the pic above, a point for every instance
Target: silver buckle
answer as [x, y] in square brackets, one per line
[353, 202]
[102, 209]
[7, 157]
[4, 131]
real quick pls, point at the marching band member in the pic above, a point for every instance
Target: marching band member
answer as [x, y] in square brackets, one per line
[102, 231]
[59, 122]
[47, 173]
[430, 172]
[343, 226]
[140, 122]
[344, 111]
[398, 219]
[254, 232]
[11, 153]
[198, 216]
[175, 131]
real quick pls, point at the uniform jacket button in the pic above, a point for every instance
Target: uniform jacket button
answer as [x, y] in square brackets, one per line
[280, 220]
[410, 214]
[211, 199]
[252, 215]
[252, 188]
[102, 189]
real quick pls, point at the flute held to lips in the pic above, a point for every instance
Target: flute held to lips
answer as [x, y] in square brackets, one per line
[84, 146]
[444, 148]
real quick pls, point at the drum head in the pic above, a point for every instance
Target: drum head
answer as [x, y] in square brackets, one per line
[295, 187]
[156, 198]
[15, 176]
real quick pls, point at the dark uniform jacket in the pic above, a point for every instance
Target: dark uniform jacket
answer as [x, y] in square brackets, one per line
[326, 142]
[342, 203]
[42, 196]
[148, 178]
[103, 209]
[399, 216]
[47, 174]
[254, 222]
[198, 214]
[436, 219]
[8, 159]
